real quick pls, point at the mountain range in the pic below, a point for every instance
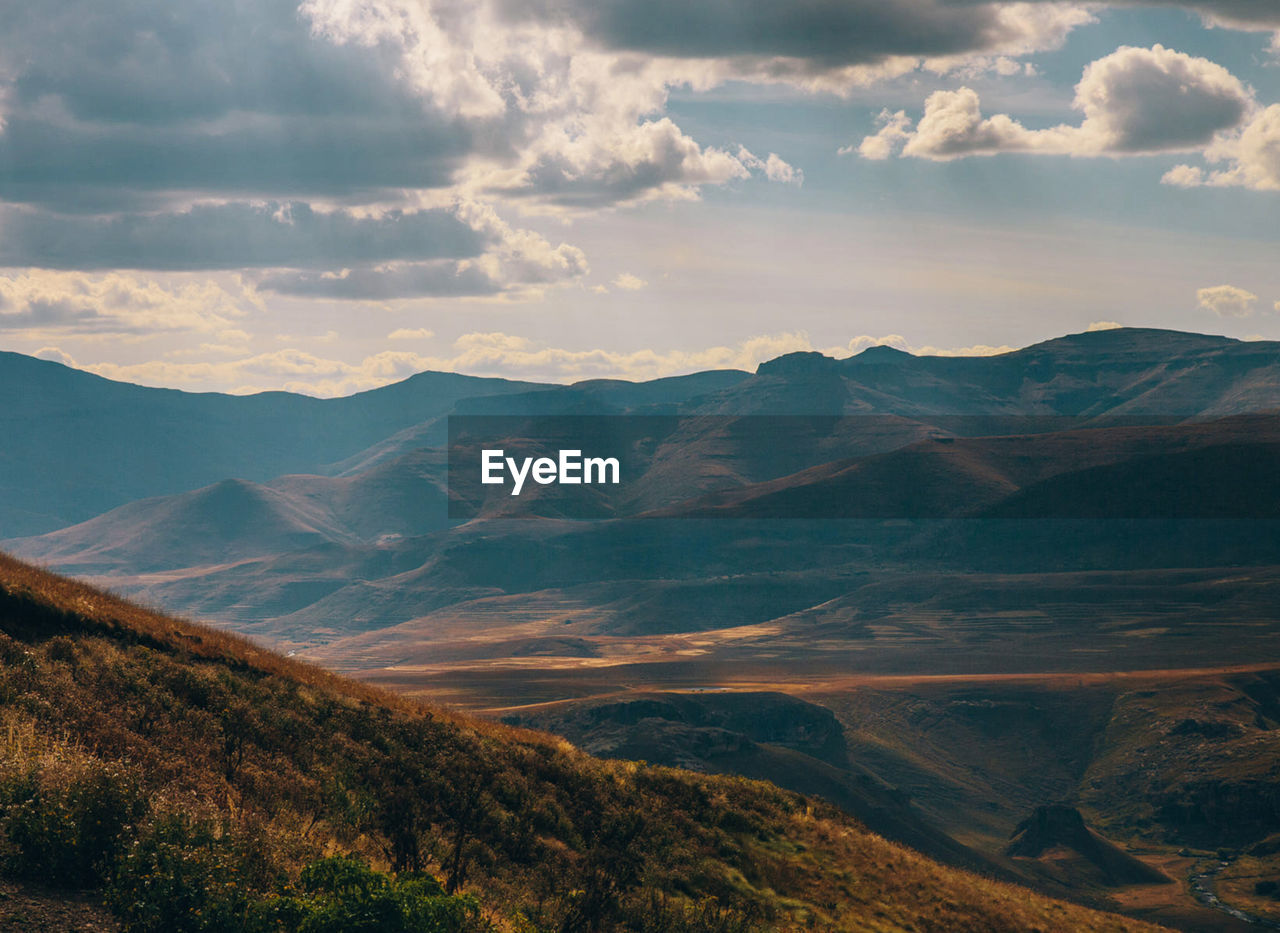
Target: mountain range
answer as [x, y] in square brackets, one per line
[852, 577]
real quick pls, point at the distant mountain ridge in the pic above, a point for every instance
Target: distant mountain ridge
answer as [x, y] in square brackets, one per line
[1123, 371]
[250, 539]
[77, 445]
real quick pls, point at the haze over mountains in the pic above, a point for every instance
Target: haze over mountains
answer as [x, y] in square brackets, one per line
[330, 516]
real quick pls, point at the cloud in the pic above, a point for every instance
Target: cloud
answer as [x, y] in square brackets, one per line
[977, 349]
[161, 103]
[387, 283]
[559, 122]
[813, 37]
[177, 134]
[1135, 101]
[411, 333]
[55, 355]
[166, 96]
[168, 134]
[775, 168]
[1251, 156]
[1227, 301]
[234, 235]
[286, 369]
[1103, 325]
[628, 282]
[1183, 176]
[1232, 14]
[895, 130]
[45, 303]
[461, 250]
[619, 165]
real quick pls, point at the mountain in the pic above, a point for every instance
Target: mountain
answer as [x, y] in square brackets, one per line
[591, 397]
[234, 521]
[1217, 469]
[1057, 834]
[1120, 372]
[197, 782]
[150, 442]
[78, 445]
[305, 558]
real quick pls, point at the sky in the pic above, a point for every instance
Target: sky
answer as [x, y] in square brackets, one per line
[324, 197]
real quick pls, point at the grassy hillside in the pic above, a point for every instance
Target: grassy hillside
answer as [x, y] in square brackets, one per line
[199, 783]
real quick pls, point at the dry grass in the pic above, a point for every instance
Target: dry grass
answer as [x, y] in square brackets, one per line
[297, 762]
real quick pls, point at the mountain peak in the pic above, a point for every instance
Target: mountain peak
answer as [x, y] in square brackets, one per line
[880, 355]
[1154, 340]
[800, 363]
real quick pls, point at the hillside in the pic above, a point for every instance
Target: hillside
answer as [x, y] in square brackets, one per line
[189, 776]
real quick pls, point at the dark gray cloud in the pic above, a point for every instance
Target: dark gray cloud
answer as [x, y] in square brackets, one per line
[43, 313]
[146, 97]
[434, 279]
[115, 166]
[232, 236]
[831, 32]
[1261, 14]
[164, 62]
[834, 33]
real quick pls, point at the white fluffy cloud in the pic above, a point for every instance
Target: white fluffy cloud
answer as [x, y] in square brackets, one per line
[572, 126]
[43, 303]
[775, 168]
[624, 164]
[1227, 301]
[628, 282]
[1251, 157]
[1134, 101]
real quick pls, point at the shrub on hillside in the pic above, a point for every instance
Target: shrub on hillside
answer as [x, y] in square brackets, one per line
[343, 895]
[65, 826]
[182, 876]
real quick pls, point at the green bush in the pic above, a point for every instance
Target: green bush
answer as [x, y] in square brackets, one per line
[344, 895]
[182, 877]
[68, 835]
